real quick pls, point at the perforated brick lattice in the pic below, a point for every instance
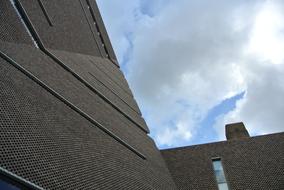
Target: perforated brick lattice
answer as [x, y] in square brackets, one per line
[42, 139]
[47, 143]
[11, 28]
[53, 140]
[70, 30]
[254, 163]
[74, 91]
[87, 67]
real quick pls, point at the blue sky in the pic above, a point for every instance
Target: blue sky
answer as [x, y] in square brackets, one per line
[194, 65]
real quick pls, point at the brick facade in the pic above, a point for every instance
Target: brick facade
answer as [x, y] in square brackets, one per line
[251, 163]
[68, 119]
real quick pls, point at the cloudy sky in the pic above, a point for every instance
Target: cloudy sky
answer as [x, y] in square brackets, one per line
[195, 65]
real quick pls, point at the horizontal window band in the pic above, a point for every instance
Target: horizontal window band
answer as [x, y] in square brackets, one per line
[113, 92]
[99, 47]
[110, 78]
[58, 61]
[69, 104]
[94, 90]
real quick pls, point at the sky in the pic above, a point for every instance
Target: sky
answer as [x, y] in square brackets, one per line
[196, 65]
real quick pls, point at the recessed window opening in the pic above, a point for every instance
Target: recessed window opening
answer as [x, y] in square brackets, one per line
[97, 28]
[7, 183]
[23, 22]
[7, 186]
[219, 174]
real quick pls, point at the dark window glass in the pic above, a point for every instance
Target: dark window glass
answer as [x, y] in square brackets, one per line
[7, 186]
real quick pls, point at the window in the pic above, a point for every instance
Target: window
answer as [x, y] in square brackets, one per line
[9, 181]
[7, 186]
[19, 13]
[98, 29]
[219, 174]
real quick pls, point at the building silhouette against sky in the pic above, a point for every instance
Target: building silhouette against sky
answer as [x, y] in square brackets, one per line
[68, 119]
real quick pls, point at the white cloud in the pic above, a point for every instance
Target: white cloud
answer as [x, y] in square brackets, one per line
[185, 57]
[174, 135]
[120, 20]
[267, 39]
[262, 108]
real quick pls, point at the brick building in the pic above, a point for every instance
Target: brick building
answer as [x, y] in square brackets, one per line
[246, 162]
[68, 119]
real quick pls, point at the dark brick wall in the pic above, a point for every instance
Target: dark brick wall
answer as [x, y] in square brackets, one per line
[72, 27]
[104, 70]
[46, 141]
[254, 163]
[11, 28]
[68, 86]
[103, 29]
[88, 68]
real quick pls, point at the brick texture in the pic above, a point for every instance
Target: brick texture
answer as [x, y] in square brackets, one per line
[51, 144]
[11, 27]
[45, 141]
[254, 163]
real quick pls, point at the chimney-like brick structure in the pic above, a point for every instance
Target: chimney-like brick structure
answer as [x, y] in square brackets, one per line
[236, 131]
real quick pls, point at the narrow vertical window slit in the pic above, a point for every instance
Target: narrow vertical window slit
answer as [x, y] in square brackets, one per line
[219, 174]
[22, 19]
[97, 28]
